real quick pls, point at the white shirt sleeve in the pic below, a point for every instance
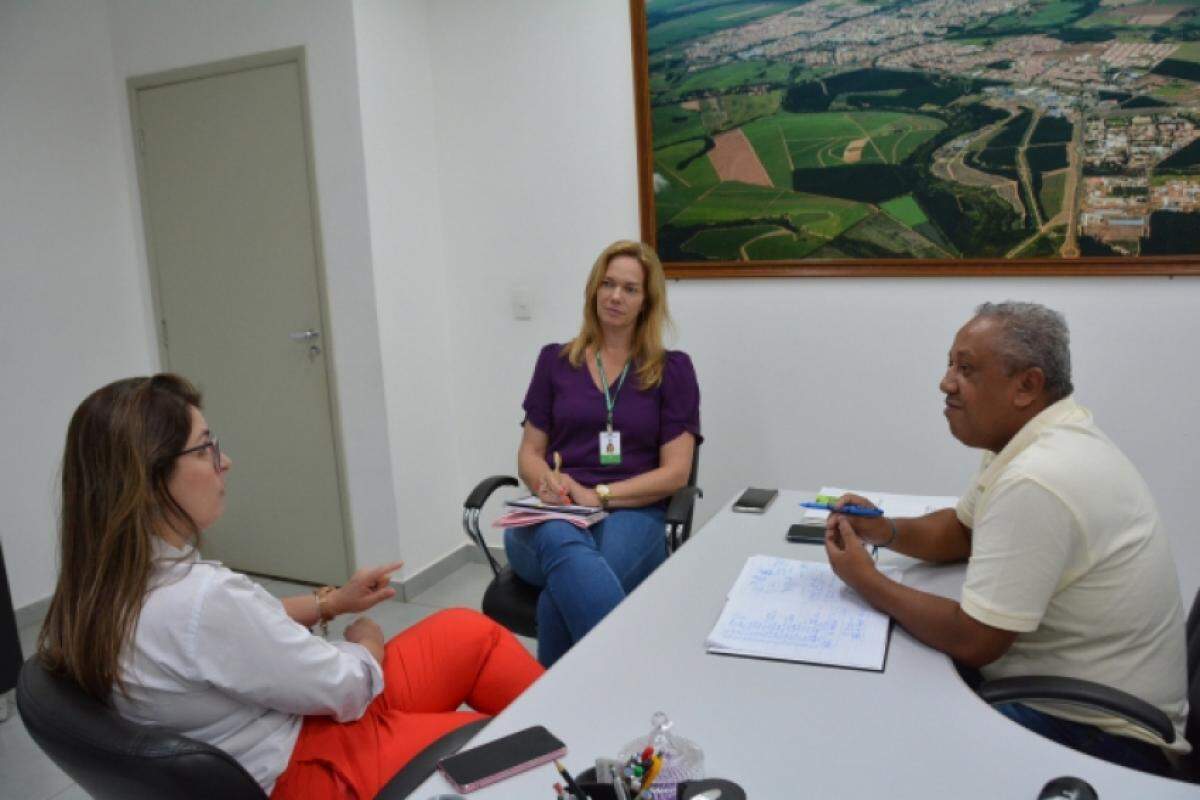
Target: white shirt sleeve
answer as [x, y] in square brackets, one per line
[241, 640]
[1020, 551]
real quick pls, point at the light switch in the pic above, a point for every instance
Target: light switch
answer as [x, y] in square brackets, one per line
[522, 302]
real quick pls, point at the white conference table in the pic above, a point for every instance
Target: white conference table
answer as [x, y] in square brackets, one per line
[785, 730]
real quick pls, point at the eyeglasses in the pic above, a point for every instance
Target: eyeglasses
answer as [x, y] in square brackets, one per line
[216, 452]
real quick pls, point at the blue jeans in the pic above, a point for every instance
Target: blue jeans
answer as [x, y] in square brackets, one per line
[584, 573]
[1127, 752]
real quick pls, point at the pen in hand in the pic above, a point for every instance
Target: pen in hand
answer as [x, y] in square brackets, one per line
[562, 492]
[852, 510]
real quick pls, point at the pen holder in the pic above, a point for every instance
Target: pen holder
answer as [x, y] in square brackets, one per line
[686, 790]
[596, 791]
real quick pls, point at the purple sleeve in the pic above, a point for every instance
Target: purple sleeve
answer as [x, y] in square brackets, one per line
[539, 398]
[680, 410]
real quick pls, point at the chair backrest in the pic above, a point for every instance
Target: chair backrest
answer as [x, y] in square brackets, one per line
[112, 758]
[10, 639]
[1193, 666]
[679, 517]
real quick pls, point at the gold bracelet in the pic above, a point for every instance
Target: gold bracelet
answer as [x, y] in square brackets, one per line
[324, 615]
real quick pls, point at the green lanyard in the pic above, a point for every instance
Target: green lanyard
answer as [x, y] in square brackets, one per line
[610, 400]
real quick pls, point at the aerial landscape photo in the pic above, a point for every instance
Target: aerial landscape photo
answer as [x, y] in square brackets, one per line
[924, 129]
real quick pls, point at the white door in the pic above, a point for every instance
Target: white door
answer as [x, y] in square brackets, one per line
[233, 245]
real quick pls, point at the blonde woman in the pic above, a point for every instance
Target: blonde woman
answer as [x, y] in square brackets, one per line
[623, 413]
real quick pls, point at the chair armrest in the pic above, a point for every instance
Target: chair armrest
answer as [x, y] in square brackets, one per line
[679, 510]
[1075, 690]
[423, 764]
[484, 489]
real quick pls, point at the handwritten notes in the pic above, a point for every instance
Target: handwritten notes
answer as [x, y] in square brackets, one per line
[799, 611]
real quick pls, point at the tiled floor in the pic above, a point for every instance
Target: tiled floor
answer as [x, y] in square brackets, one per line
[27, 774]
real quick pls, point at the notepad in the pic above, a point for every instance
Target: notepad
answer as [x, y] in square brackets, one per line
[893, 505]
[535, 503]
[791, 610]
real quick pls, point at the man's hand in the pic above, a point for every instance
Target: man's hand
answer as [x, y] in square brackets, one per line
[366, 588]
[848, 555]
[871, 529]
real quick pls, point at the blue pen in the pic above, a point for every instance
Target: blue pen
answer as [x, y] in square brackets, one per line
[852, 510]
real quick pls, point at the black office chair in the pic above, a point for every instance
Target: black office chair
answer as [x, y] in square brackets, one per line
[10, 642]
[511, 601]
[112, 758]
[1114, 701]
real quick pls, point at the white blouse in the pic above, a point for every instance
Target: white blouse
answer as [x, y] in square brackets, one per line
[216, 658]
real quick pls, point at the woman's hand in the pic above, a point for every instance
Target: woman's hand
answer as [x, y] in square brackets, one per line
[553, 489]
[365, 589]
[580, 495]
[366, 631]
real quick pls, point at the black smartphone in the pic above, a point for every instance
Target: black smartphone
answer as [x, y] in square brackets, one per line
[806, 534]
[507, 756]
[755, 501]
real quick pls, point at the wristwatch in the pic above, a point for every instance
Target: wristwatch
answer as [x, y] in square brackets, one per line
[604, 493]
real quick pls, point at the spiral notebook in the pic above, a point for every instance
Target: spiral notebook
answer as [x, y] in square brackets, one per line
[791, 610]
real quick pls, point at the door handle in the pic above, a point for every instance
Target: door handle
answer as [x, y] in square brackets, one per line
[304, 336]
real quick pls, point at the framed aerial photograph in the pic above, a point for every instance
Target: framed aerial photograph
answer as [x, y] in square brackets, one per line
[919, 137]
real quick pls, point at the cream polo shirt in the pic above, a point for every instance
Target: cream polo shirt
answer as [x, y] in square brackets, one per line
[216, 658]
[1068, 551]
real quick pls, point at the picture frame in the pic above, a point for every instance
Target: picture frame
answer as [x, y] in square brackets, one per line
[850, 138]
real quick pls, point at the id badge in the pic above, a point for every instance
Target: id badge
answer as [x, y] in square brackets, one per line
[610, 447]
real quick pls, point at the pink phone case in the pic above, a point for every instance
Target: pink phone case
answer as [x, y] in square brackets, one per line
[507, 773]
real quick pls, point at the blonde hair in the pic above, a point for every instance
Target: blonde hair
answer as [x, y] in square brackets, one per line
[648, 353]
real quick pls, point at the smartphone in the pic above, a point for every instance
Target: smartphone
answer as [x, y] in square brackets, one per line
[507, 756]
[801, 533]
[755, 501]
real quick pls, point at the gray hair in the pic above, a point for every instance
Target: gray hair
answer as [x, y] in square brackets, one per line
[1032, 335]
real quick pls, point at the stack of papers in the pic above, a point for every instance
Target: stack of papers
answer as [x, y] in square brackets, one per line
[800, 611]
[893, 505]
[532, 511]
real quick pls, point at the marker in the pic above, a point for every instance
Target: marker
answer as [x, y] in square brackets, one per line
[852, 510]
[572, 786]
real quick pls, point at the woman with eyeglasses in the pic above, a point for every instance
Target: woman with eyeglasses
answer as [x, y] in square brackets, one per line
[621, 413]
[140, 621]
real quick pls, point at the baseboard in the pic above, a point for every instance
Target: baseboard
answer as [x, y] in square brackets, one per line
[33, 613]
[413, 585]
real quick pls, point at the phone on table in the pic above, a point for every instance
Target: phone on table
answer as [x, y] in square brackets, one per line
[806, 533]
[507, 756]
[755, 501]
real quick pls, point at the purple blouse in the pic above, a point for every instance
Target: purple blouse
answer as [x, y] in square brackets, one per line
[564, 403]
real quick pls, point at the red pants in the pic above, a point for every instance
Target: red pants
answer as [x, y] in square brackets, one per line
[453, 657]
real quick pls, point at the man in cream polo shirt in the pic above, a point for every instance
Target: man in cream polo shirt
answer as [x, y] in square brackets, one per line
[1069, 571]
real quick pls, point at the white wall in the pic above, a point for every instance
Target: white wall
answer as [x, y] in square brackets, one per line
[407, 239]
[155, 35]
[804, 382]
[494, 147]
[72, 310]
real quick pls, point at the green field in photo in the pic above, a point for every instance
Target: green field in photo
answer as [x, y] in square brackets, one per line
[707, 17]
[735, 202]
[1051, 195]
[726, 243]
[820, 139]
[906, 210]
[784, 246]
[685, 164]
